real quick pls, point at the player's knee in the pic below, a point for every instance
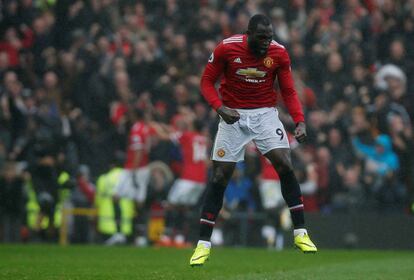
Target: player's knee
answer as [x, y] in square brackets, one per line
[285, 166]
[219, 179]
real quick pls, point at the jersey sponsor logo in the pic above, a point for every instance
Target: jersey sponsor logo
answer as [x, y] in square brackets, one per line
[268, 62]
[237, 60]
[211, 58]
[254, 81]
[251, 73]
[221, 153]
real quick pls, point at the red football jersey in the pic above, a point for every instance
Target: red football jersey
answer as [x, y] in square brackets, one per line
[194, 150]
[139, 139]
[248, 81]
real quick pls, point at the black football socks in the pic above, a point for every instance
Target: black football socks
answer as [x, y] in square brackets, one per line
[293, 197]
[212, 205]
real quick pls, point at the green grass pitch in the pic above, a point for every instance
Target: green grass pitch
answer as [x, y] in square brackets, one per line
[95, 262]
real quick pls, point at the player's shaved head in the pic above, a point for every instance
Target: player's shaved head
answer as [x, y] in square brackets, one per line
[256, 20]
[260, 33]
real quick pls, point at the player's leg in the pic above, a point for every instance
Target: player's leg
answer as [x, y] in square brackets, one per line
[190, 198]
[118, 237]
[222, 172]
[179, 200]
[273, 203]
[281, 161]
[120, 190]
[117, 214]
[228, 149]
[173, 199]
[132, 185]
[272, 141]
[141, 179]
[140, 184]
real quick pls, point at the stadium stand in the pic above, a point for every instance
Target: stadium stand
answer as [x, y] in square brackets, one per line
[72, 71]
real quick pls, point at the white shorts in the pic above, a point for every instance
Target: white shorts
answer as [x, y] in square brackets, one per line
[271, 194]
[262, 126]
[185, 192]
[126, 187]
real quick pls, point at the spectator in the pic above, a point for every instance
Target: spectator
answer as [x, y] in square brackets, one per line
[238, 193]
[351, 195]
[12, 203]
[72, 70]
[237, 198]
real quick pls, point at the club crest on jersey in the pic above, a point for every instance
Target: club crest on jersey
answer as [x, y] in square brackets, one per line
[221, 153]
[237, 60]
[268, 62]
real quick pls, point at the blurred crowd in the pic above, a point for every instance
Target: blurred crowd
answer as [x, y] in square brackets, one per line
[73, 71]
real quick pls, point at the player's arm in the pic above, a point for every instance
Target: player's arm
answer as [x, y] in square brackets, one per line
[212, 72]
[166, 132]
[161, 130]
[290, 97]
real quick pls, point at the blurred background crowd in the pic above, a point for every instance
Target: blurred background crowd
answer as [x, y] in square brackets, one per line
[73, 71]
